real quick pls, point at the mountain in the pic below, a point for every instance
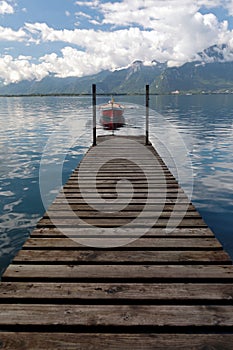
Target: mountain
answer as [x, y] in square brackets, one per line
[197, 77]
[132, 79]
[53, 85]
[215, 53]
[210, 72]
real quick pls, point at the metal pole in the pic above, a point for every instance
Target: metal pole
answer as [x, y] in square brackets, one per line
[147, 114]
[94, 113]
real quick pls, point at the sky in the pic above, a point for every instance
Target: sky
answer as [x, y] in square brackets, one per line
[82, 37]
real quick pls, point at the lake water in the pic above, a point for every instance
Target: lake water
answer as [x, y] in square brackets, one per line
[193, 133]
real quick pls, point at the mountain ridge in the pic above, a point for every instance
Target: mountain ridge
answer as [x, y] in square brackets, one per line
[208, 73]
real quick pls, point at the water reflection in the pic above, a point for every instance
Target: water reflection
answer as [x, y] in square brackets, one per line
[206, 126]
[26, 125]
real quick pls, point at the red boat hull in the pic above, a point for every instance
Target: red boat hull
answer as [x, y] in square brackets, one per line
[112, 116]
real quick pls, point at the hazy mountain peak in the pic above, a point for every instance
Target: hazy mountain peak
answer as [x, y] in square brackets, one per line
[137, 63]
[216, 53]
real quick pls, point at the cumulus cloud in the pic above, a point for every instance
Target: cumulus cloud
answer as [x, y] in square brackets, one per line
[177, 39]
[8, 34]
[173, 31]
[229, 6]
[91, 3]
[6, 8]
[14, 70]
[78, 63]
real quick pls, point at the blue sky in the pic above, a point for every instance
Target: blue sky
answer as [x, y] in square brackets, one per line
[82, 37]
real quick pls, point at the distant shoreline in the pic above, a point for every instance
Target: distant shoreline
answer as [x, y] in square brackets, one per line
[116, 94]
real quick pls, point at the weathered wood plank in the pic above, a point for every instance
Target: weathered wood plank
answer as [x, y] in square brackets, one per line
[170, 193]
[130, 207]
[137, 187]
[79, 200]
[114, 341]
[147, 256]
[134, 177]
[68, 213]
[33, 272]
[158, 176]
[106, 182]
[115, 222]
[117, 315]
[106, 291]
[73, 183]
[159, 173]
[141, 243]
[199, 232]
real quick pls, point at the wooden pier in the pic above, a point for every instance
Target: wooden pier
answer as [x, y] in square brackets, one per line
[163, 290]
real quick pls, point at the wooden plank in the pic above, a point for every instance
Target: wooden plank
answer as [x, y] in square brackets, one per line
[74, 182]
[131, 177]
[68, 213]
[165, 171]
[153, 232]
[150, 172]
[114, 341]
[138, 138]
[135, 161]
[119, 256]
[141, 243]
[136, 292]
[173, 193]
[161, 198]
[169, 180]
[136, 191]
[115, 222]
[134, 178]
[96, 160]
[79, 200]
[130, 207]
[117, 315]
[33, 272]
[107, 187]
[137, 183]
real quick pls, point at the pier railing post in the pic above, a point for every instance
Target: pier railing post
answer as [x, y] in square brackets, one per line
[94, 113]
[147, 114]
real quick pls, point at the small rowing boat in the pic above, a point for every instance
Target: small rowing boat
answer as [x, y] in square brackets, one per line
[112, 115]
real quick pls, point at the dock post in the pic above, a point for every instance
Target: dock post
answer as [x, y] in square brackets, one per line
[147, 114]
[94, 113]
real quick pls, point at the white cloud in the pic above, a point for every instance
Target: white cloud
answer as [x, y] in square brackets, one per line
[6, 8]
[177, 39]
[79, 63]
[95, 22]
[172, 30]
[153, 14]
[91, 3]
[8, 34]
[22, 57]
[229, 6]
[82, 14]
[14, 70]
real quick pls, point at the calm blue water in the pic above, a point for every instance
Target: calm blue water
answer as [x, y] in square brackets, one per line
[32, 127]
